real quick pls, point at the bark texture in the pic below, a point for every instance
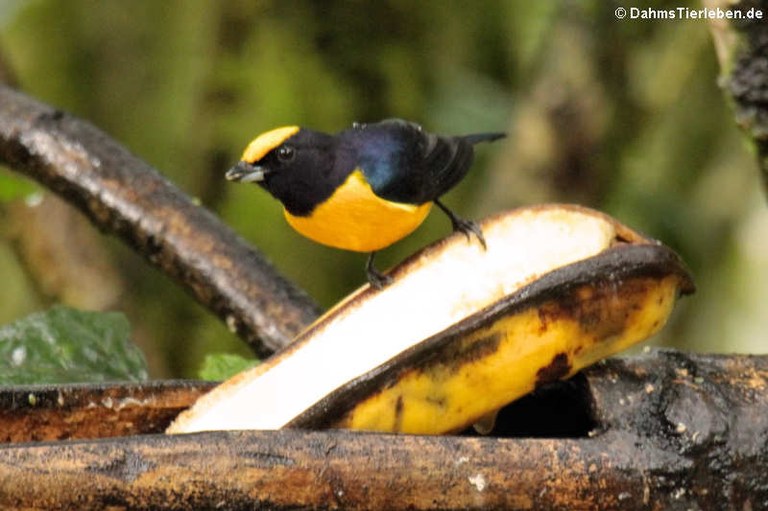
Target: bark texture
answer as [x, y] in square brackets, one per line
[661, 431]
[124, 196]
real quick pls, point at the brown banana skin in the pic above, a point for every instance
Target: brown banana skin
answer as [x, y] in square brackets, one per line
[578, 291]
[462, 331]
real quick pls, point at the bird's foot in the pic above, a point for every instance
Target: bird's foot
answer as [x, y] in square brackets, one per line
[468, 227]
[376, 279]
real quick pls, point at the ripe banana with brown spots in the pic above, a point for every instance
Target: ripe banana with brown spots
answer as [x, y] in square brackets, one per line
[461, 331]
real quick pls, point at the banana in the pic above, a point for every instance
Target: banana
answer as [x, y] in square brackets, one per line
[461, 331]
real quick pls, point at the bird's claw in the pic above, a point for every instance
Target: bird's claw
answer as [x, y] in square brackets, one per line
[378, 280]
[468, 227]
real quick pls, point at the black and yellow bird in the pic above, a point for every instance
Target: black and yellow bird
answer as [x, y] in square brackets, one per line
[364, 188]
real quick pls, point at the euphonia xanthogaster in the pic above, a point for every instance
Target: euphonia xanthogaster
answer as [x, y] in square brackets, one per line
[364, 188]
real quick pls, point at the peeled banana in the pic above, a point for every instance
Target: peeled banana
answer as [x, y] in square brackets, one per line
[461, 331]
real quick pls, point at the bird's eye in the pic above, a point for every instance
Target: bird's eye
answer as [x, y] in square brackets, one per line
[285, 153]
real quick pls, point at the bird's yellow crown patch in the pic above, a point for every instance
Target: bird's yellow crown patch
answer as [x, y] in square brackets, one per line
[264, 143]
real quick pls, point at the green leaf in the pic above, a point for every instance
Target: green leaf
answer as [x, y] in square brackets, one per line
[221, 366]
[64, 345]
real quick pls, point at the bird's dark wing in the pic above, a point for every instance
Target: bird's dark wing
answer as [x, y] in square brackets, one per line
[403, 163]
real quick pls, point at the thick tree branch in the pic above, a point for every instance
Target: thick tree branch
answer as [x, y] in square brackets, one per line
[124, 196]
[742, 49]
[657, 432]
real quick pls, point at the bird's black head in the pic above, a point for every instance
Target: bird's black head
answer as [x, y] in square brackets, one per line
[294, 164]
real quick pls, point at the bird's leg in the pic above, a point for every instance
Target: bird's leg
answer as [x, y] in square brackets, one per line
[377, 279]
[468, 227]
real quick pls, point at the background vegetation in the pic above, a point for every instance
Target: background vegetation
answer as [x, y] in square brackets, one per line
[622, 115]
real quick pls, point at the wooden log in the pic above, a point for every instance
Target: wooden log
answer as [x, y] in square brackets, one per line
[662, 431]
[63, 412]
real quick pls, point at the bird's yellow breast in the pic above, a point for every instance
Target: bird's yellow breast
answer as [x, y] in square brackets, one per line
[355, 218]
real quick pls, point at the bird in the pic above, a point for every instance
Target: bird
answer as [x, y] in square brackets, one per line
[364, 188]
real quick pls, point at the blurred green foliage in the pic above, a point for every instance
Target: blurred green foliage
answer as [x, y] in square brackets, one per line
[64, 345]
[14, 187]
[222, 366]
[625, 116]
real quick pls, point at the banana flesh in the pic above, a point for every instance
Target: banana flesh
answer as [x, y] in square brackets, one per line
[461, 331]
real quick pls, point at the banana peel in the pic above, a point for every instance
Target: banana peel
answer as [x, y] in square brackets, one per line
[461, 331]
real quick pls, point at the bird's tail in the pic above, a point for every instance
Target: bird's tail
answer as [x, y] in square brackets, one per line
[483, 137]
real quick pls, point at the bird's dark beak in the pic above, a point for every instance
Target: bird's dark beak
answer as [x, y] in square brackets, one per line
[244, 172]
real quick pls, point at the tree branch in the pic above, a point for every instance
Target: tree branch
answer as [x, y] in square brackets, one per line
[742, 50]
[124, 196]
[661, 431]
